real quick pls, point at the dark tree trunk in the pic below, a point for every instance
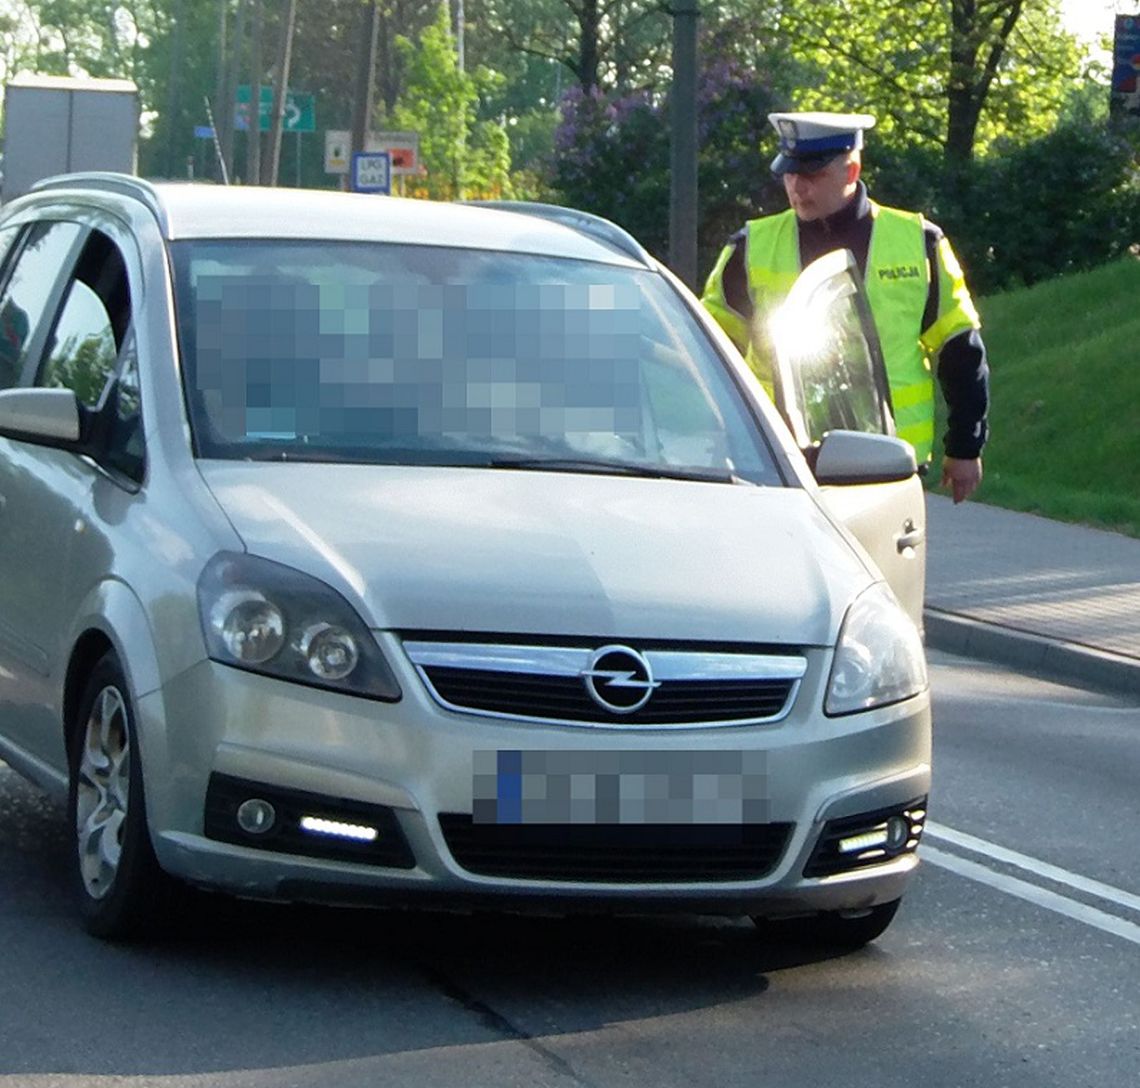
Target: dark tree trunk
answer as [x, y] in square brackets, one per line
[173, 88]
[979, 34]
[589, 27]
[365, 74]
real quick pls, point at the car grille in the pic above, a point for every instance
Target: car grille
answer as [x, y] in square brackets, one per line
[548, 684]
[616, 853]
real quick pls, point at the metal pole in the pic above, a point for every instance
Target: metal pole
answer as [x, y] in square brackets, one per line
[460, 34]
[173, 88]
[223, 173]
[362, 101]
[225, 108]
[218, 120]
[280, 89]
[683, 112]
[253, 135]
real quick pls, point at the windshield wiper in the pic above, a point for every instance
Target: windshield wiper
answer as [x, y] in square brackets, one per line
[598, 465]
[617, 468]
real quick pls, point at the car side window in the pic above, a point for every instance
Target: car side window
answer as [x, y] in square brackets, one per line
[830, 367]
[29, 296]
[7, 236]
[84, 347]
[124, 449]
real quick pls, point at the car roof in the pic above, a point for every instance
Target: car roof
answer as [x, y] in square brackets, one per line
[187, 210]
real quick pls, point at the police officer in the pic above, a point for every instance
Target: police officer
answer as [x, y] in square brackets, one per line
[915, 287]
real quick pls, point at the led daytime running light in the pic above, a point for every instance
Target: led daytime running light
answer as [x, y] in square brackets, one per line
[337, 829]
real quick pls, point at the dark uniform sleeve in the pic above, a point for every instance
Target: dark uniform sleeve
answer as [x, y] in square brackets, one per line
[964, 375]
[735, 278]
[950, 331]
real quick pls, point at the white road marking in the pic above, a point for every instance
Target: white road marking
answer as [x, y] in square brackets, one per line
[1031, 893]
[1033, 865]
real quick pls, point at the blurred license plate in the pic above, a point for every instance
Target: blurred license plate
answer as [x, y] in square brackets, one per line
[620, 787]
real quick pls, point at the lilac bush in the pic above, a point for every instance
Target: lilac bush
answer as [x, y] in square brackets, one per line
[611, 156]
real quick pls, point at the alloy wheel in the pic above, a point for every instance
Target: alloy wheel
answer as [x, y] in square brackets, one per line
[103, 791]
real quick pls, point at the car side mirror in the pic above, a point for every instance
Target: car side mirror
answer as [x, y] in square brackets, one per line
[49, 417]
[855, 457]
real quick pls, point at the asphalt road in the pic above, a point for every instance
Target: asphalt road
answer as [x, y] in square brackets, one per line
[1015, 960]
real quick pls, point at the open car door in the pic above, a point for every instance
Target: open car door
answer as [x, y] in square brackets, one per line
[830, 376]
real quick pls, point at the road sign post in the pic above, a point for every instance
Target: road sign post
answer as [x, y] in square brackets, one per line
[372, 172]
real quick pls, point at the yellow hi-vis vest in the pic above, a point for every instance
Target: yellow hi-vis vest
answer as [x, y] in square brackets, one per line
[897, 278]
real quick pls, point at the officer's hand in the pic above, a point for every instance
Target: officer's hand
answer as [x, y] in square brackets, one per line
[961, 476]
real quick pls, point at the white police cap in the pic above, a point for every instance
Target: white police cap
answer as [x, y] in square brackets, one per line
[809, 141]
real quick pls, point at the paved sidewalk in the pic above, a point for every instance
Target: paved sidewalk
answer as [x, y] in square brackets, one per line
[1038, 594]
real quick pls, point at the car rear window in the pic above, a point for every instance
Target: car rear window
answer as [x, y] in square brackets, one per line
[435, 355]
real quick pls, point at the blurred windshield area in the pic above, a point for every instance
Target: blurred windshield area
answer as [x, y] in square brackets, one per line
[399, 354]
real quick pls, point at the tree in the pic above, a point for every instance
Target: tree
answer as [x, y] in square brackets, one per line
[165, 46]
[439, 102]
[612, 157]
[614, 44]
[958, 74]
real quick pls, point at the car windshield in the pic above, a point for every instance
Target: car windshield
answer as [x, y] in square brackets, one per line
[398, 354]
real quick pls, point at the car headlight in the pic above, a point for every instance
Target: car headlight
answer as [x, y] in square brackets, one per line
[268, 618]
[879, 657]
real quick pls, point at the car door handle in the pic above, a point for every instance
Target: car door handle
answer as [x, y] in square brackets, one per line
[910, 537]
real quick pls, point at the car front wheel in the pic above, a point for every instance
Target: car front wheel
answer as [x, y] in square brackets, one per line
[119, 884]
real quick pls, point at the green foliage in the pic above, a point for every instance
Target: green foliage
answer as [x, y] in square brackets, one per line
[1078, 206]
[1064, 385]
[1047, 191]
[84, 365]
[935, 71]
[532, 137]
[1066, 201]
[92, 36]
[439, 103]
[176, 73]
[461, 157]
[617, 45]
[488, 166]
[613, 158]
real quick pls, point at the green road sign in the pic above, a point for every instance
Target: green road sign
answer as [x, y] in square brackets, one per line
[300, 116]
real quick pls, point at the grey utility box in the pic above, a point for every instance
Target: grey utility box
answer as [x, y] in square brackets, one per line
[54, 125]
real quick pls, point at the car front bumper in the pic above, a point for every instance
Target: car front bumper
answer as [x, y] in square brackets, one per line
[413, 762]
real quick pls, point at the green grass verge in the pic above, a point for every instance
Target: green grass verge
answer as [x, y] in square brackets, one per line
[1065, 398]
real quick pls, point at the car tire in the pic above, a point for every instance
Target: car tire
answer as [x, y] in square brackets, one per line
[831, 929]
[119, 885]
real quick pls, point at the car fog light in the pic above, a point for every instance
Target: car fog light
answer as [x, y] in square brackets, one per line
[337, 829]
[898, 831]
[330, 651]
[255, 816]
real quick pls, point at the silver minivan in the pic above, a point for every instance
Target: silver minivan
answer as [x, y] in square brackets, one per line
[369, 550]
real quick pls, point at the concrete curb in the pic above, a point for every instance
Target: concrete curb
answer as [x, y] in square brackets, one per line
[957, 634]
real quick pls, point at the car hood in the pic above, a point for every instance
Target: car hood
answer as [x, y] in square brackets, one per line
[520, 552]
